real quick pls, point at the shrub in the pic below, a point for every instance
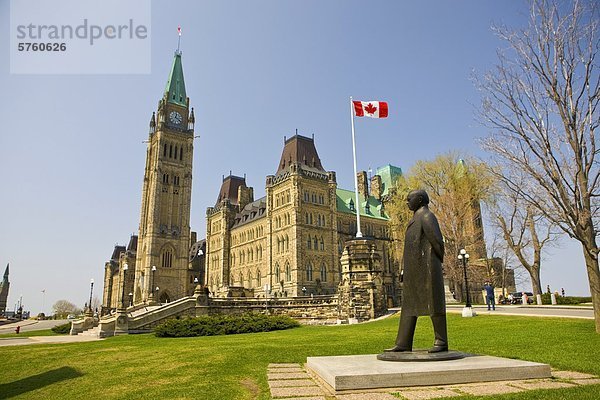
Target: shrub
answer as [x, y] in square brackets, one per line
[566, 300]
[62, 329]
[220, 324]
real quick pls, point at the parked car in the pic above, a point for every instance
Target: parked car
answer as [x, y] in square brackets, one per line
[517, 297]
[71, 317]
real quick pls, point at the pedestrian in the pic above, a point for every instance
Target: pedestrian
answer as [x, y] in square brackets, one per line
[489, 296]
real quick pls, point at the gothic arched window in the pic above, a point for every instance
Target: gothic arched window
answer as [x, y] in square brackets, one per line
[323, 273]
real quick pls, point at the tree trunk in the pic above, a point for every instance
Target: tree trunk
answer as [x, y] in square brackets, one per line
[591, 264]
[536, 283]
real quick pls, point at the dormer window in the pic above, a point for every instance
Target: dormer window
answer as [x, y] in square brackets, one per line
[351, 205]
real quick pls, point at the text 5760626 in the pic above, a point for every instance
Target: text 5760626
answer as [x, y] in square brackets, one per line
[35, 46]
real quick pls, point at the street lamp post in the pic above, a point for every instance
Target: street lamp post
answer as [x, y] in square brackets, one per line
[91, 291]
[468, 309]
[125, 268]
[157, 289]
[130, 299]
[152, 284]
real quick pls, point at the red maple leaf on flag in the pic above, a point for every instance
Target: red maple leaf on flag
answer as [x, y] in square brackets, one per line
[370, 108]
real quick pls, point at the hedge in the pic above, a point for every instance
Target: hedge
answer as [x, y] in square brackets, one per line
[219, 324]
[62, 329]
[566, 300]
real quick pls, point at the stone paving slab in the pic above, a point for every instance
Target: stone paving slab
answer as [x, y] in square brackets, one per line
[306, 398]
[594, 381]
[428, 394]
[283, 365]
[542, 385]
[296, 391]
[284, 370]
[571, 375]
[291, 375]
[491, 388]
[366, 396]
[292, 383]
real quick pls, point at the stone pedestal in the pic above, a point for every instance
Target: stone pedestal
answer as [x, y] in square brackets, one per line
[361, 291]
[122, 323]
[468, 312]
[367, 372]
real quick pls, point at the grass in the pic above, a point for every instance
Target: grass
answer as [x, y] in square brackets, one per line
[234, 367]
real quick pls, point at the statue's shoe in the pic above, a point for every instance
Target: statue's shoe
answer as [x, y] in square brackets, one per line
[397, 349]
[438, 349]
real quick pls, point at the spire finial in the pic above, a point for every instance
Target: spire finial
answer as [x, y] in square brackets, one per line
[178, 38]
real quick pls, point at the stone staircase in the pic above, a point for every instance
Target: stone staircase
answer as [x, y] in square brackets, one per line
[91, 332]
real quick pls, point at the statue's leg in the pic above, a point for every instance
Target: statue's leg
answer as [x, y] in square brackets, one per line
[441, 334]
[406, 332]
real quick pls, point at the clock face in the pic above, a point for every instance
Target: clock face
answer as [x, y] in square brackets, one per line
[175, 117]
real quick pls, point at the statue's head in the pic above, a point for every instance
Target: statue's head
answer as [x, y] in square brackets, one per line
[417, 199]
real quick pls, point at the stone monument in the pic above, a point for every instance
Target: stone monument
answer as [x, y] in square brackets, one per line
[361, 291]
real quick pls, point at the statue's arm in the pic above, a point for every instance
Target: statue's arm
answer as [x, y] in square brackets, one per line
[432, 231]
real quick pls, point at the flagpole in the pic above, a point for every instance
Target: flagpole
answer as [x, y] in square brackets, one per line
[358, 232]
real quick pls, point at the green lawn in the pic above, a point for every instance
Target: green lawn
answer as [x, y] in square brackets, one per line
[234, 367]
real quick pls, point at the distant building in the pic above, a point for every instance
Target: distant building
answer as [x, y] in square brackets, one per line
[4, 286]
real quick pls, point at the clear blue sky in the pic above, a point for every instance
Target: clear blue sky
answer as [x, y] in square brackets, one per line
[72, 156]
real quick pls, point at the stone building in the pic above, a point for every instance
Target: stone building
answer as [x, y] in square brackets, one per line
[4, 286]
[289, 242]
[159, 265]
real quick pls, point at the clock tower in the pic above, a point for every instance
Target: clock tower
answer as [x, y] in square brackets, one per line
[161, 270]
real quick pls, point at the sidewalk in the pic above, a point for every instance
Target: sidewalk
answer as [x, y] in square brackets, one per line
[46, 340]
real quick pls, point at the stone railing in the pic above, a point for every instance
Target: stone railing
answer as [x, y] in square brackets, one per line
[107, 326]
[147, 321]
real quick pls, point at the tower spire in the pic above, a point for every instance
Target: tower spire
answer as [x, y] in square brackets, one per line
[6, 272]
[175, 89]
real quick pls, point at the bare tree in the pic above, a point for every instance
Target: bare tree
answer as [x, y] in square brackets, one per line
[524, 229]
[62, 308]
[541, 103]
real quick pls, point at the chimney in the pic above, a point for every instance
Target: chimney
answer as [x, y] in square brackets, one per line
[363, 184]
[376, 189]
[245, 196]
[193, 237]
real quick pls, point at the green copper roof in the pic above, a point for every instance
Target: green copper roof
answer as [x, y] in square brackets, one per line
[388, 174]
[345, 197]
[175, 89]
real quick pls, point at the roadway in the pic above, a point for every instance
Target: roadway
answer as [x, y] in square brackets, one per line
[585, 312]
[31, 325]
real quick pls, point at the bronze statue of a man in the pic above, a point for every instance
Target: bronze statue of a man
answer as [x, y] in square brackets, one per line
[423, 292]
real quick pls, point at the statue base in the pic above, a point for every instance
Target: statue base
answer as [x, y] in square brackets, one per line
[420, 355]
[362, 372]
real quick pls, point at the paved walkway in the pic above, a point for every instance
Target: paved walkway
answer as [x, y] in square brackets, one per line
[293, 382]
[17, 341]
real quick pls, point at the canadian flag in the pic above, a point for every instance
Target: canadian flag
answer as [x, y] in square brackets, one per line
[373, 109]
